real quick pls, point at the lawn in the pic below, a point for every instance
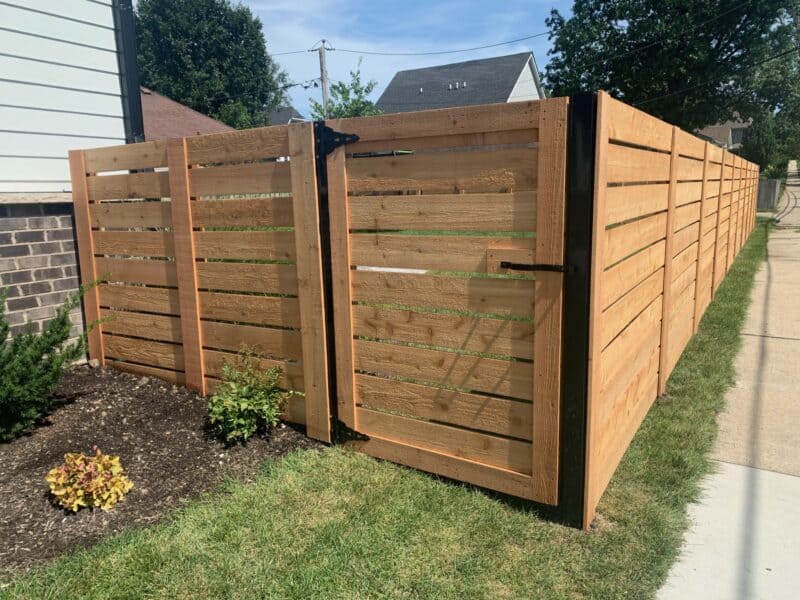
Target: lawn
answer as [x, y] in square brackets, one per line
[334, 524]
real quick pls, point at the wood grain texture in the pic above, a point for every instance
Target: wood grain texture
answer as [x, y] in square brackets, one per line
[146, 352]
[626, 309]
[272, 343]
[625, 275]
[86, 251]
[137, 270]
[514, 211]
[247, 178]
[248, 308]
[548, 294]
[482, 413]
[246, 245]
[238, 146]
[627, 202]
[134, 297]
[161, 328]
[144, 155]
[339, 213]
[514, 137]
[463, 371]
[130, 215]
[633, 126]
[247, 277]
[624, 240]
[462, 443]
[311, 298]
[134, 243]
[182, 232]
[701, 284]
[135, 185]
[243, 212]
[634, 165]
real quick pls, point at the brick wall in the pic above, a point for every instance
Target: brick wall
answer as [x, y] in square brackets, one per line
[38, 263]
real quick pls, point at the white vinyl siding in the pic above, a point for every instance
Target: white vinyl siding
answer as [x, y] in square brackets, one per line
[59, 89]
[525, 87]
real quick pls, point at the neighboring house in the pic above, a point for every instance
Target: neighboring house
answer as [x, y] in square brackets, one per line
[510, 78]
[729, 135]
[283, 115]
[66, 69]
[164, 118]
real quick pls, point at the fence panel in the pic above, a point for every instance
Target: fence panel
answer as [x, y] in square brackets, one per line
[446, 359]
[225, 254]
[671, 213]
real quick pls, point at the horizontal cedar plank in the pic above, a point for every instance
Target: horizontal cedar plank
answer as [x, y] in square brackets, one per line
[445, 172]
[247, 277]
[622, 277]
[712, 188]
[627, 202]
[493, 336]
[685, 237]
[157, 327]
[156, 354]
[446, 465]
[439, 252]
[484, 413]
[272, 343]
[707, 243]
[144, 155]
[690, 169]
[683, 259]
[137, 270]
[238, 146]
[134, 243]
[514, 137]
[512, 297]
[175, 377]
[683, 306]
[627, 344]
[475, 373]
[618, 315]
[710, 207]
[133, 297]
[514, 211]
[633, 126]
[626, 239]
[714, 153]
[679, 338]
[243, 308]
[447, 121]
[128, 215]
[291, 372]
[686, 214]
[725, 202]
[245, 245]
[688, 191]
[690, 145]
[632, 165]
[683, 281]
[135, 185]
[248, 178]
[243, 212]
[481, 447]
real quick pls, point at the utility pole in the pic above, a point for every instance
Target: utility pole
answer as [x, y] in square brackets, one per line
[323, 74]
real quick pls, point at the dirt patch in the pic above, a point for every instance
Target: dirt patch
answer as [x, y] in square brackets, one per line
[158, 431]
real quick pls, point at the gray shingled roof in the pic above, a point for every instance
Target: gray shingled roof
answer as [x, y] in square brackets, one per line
[488, 80]
[283, 115]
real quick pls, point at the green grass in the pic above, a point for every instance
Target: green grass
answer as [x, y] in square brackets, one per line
[335, 524]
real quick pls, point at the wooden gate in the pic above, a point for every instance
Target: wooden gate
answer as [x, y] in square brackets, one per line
[446, 358]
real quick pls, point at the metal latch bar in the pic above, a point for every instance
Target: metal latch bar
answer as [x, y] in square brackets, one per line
[532, 267]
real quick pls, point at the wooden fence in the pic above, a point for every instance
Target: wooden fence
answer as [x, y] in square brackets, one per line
[432, 251]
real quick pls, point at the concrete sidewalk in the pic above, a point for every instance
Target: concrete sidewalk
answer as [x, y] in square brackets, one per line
[744, 542]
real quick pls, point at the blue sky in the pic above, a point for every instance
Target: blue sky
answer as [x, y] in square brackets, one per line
[407, 26]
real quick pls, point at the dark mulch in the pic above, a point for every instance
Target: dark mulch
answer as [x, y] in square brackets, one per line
[158, 431]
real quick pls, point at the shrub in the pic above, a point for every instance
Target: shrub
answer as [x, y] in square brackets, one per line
[247, 400]
[97, 481]
[30, 366]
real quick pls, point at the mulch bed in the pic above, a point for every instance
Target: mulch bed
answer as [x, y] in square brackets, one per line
[159, 432]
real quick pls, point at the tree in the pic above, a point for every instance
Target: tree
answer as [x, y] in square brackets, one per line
[348, 99]
[210, 55]
[653, 50]
[759, 143]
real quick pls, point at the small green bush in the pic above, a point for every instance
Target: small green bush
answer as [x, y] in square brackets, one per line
[30, 366]
[248, 399]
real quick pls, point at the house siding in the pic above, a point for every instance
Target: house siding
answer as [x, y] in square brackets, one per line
[525, 87]
[59, 89]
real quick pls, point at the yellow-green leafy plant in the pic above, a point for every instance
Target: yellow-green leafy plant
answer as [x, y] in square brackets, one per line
[95, 480]
[248, 400]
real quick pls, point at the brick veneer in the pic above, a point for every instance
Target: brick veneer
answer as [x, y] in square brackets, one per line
[38, 263]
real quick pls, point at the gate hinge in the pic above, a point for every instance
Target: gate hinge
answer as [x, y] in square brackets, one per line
[534, 267]
[328, 139]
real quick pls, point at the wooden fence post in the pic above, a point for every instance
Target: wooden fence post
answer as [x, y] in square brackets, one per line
[716, 229]
[309, 279]
[731, 225]
[83, 232]
[698, 308]
[666, 303]
[185, 265]
[548, 295]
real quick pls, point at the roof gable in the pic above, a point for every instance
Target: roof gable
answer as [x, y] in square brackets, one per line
[488, 80]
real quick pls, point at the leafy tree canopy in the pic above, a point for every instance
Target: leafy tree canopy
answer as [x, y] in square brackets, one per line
[210, 55]
[348, 99]
[653, 50]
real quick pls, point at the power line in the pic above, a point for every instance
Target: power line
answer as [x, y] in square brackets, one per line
[706, 83]
[291, 52]
[522, 39]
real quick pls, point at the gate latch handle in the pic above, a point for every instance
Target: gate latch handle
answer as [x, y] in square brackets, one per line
[534, 267]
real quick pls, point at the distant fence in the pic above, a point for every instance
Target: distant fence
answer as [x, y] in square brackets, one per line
[441, 271]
